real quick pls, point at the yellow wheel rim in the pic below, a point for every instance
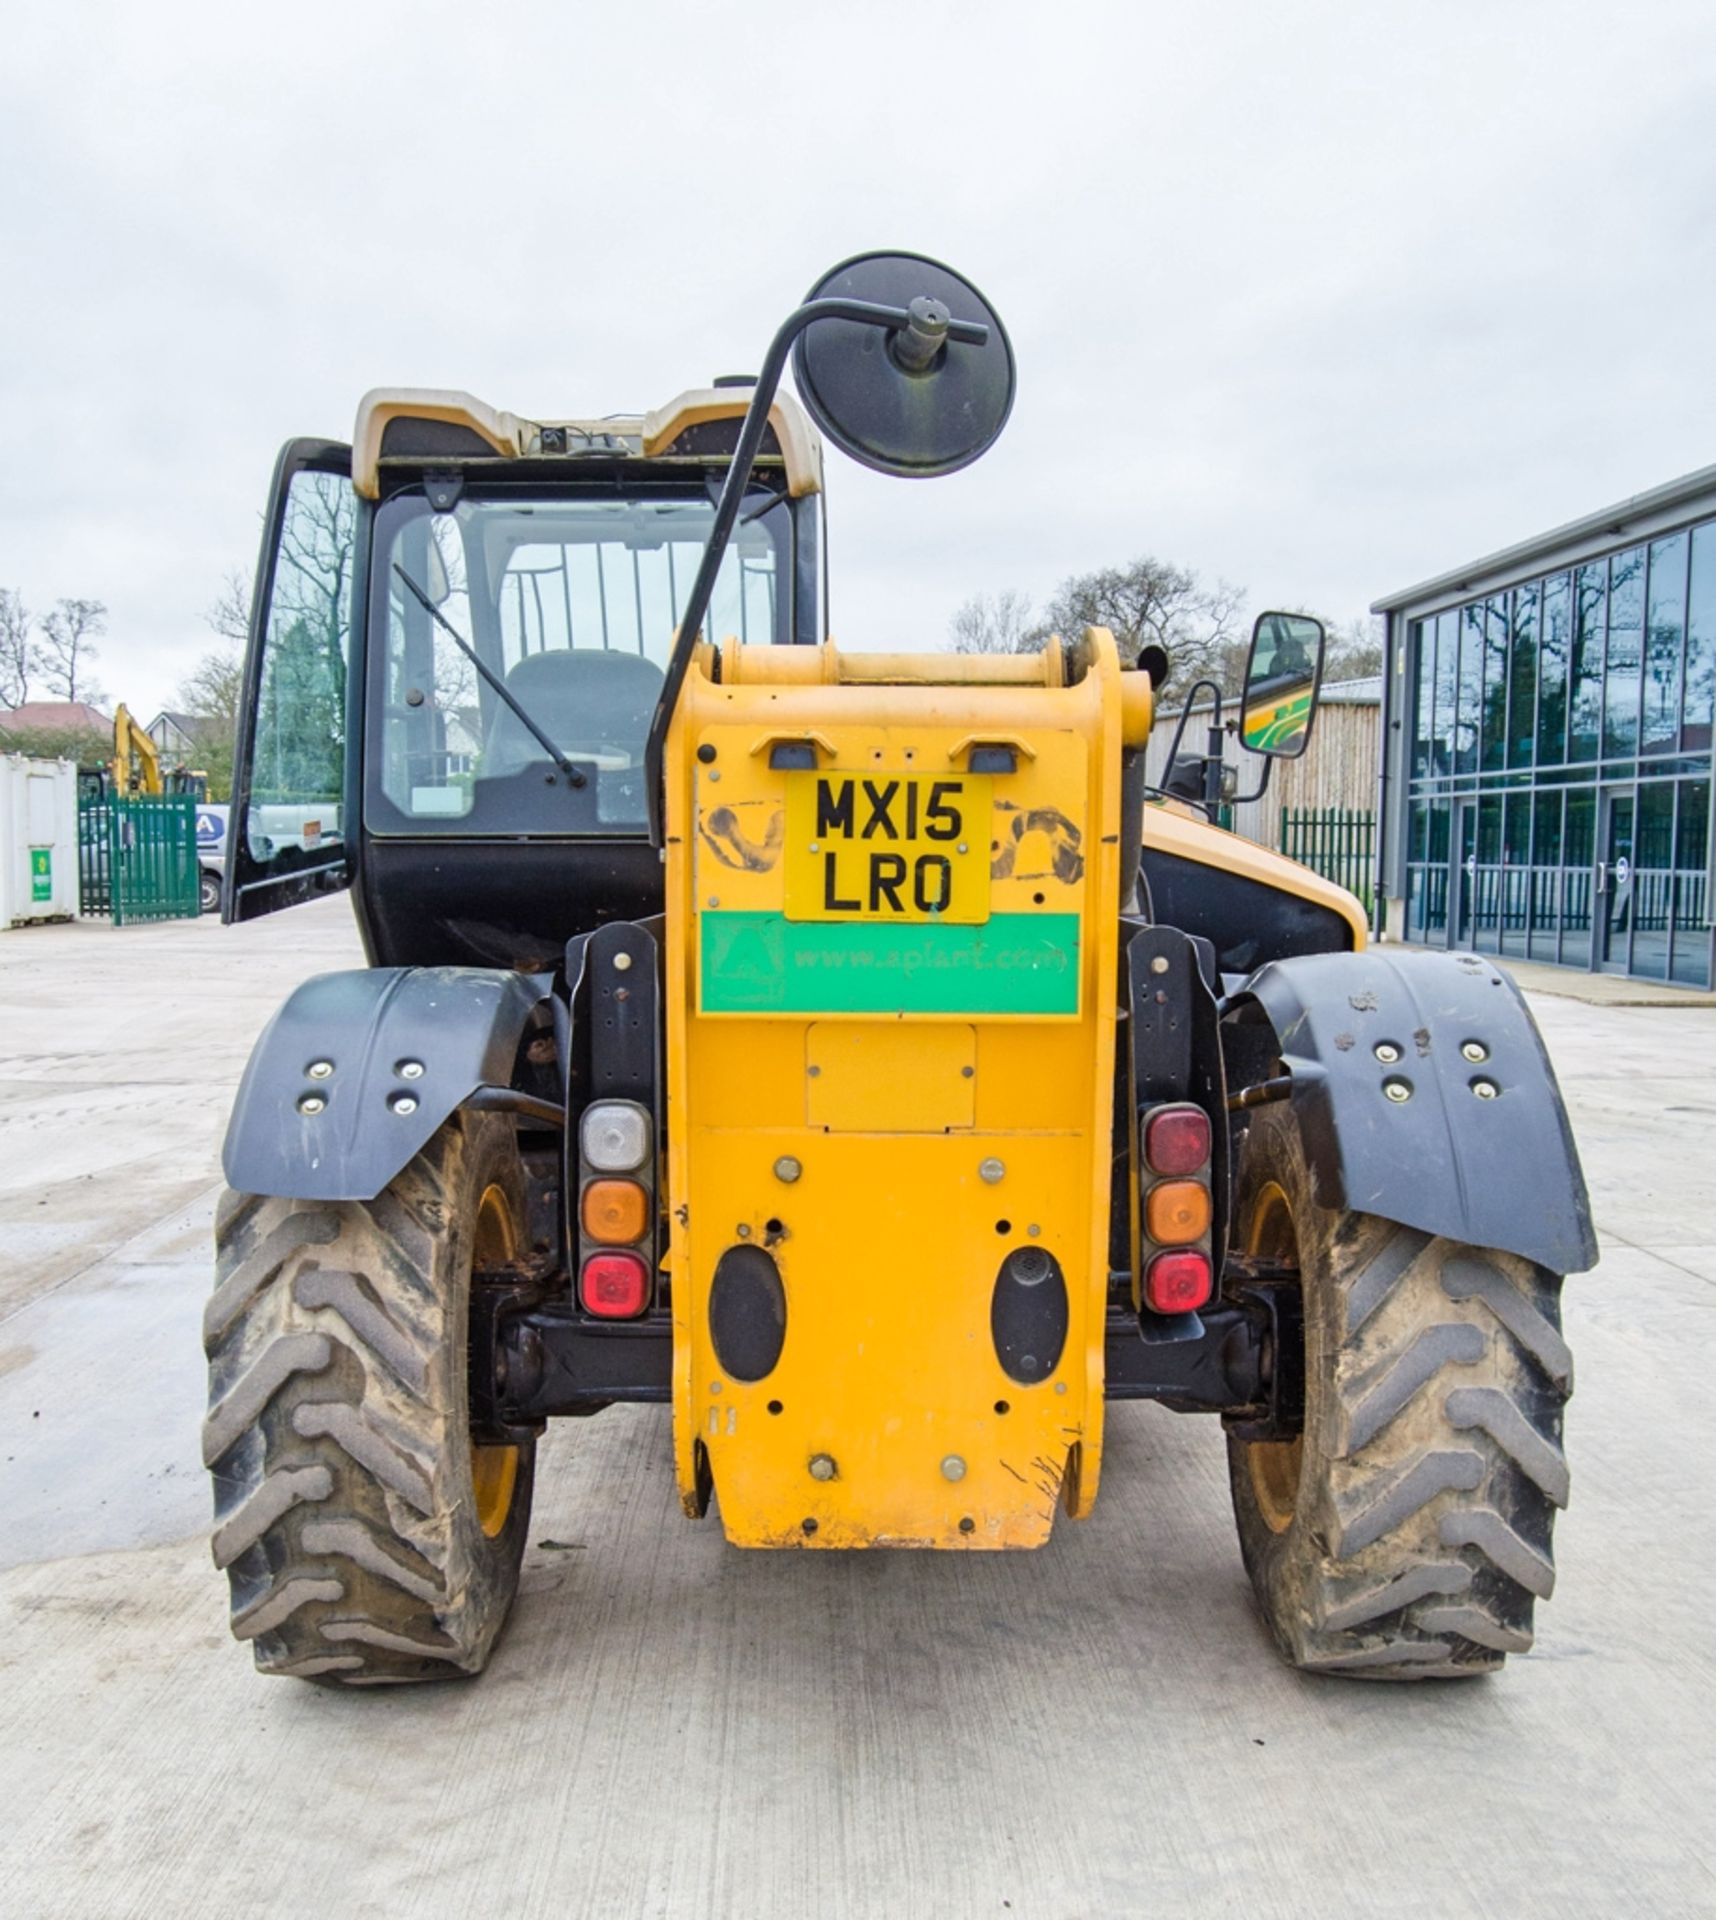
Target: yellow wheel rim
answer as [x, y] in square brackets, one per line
[494, 1470]
[1275, 1464]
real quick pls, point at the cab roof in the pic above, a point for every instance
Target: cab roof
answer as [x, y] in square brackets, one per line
[415, 427]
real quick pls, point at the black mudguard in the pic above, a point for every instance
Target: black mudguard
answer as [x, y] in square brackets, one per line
[462, 1025]
[1499, 1172]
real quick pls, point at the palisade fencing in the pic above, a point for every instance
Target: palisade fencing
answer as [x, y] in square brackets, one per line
[137, 857]
[1337, 842]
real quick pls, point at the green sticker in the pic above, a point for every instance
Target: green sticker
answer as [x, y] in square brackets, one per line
[41, 874]
[1014, 963]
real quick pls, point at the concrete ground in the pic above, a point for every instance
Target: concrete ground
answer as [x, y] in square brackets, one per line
[672, 1727]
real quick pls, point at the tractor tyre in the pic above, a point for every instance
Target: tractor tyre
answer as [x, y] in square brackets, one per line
[1405, 1534]
[365, 1538]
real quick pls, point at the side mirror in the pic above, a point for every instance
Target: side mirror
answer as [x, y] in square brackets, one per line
[1282, 677]
[905, 401]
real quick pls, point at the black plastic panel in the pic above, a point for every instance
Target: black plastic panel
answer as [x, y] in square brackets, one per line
[747, 1313]
[1028, 1314]
[1247, 922]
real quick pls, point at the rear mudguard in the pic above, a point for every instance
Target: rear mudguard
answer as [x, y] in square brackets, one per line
[1424, 1094]
[460, 1025]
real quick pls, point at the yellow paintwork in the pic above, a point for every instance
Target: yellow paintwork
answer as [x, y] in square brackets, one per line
[494, 1470]
[893, 1077]
[889, 1242]
[850, 1143]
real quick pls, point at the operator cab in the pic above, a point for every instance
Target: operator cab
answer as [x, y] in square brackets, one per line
[463, 624]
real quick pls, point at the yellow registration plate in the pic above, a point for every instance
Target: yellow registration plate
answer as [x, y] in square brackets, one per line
[900, 847]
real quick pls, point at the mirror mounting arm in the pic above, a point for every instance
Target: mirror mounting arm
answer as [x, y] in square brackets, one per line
[899, 320]
[1245, 799]
[1214, 760]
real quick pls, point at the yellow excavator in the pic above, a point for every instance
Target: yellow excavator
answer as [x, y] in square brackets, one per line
[136, 763]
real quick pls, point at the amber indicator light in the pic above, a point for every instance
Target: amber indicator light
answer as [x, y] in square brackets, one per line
[615, 1212]
[1176, 1212]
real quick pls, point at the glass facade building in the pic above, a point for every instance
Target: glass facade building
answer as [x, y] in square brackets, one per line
[1547, 767]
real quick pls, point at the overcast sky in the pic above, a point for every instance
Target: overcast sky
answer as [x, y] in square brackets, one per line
[1319, 298]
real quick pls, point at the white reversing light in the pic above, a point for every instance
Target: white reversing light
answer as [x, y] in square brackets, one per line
[615, 1136]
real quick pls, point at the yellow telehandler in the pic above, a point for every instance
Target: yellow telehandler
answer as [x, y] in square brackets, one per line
[849, 1050]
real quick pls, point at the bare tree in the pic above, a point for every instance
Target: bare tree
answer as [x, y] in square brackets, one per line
[68, 648]
[1352, 649]
[1355, 648]
[1154, 601]
[995, 623]
[17, 648]
[209, 697]
[229, 612]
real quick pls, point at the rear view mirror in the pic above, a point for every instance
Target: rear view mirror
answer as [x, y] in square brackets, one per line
[1282, 676]
[901, 401]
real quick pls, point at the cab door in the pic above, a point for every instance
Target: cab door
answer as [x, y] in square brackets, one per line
[291, 827]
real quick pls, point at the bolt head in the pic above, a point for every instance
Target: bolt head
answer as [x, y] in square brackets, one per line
[1475, 1051]
[1486, 1089]
[788, 1169]
[411, 1069]
[1387, 1052]
[311, 1103]
[953, 1468]
[992, 1172]
[822, 1466]
[622, 963]
[403, 1103]
[1398, 1091]
[1159, 964]
[319, 1069]
[743, 1231]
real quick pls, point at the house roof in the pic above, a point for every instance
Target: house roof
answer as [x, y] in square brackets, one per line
[55, 716]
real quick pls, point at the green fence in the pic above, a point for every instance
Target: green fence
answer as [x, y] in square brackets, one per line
[137, 857]
[1337, 842]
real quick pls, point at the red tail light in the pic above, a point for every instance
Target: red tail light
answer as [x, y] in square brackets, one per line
[614, 1286]
[1177, 1282]
[1177, 1140]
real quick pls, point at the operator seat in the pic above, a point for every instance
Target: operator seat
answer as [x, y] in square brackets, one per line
[586, 699]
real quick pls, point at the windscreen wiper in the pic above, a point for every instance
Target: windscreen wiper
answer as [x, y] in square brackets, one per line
[575, 776]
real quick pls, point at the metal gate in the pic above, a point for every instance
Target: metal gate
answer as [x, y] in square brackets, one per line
[137, 857]
[1336, 842]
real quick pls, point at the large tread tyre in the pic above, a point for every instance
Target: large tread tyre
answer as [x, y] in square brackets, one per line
[364, 1539]
[1406, 1536]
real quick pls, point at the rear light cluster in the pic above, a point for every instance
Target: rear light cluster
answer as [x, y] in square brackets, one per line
[1177, 1208]
[616, 1210]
